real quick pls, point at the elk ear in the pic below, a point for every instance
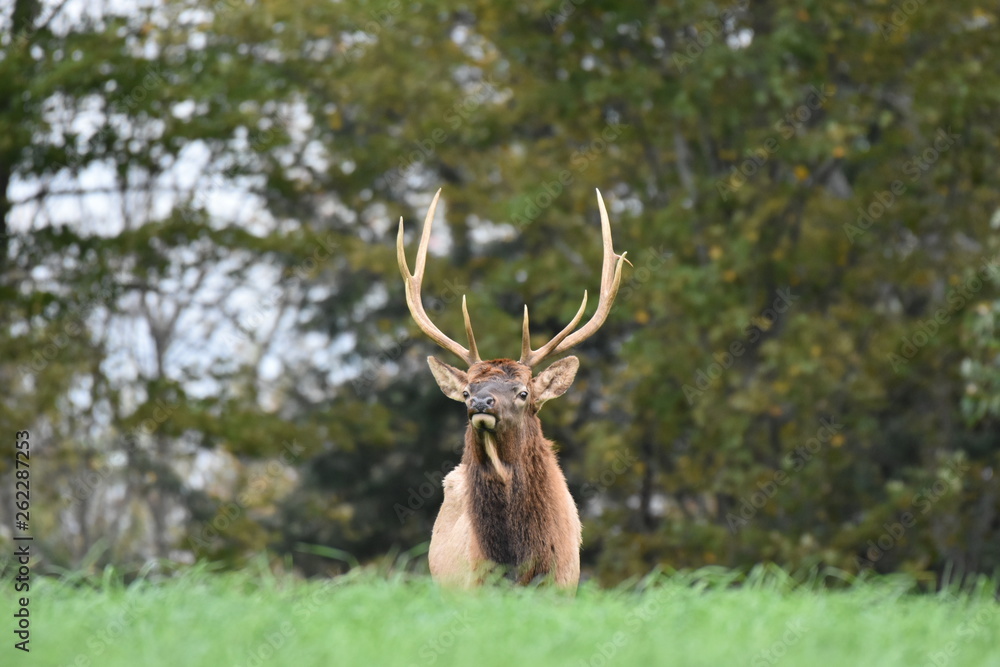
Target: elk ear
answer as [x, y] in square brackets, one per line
[451, 380]
[554, 380]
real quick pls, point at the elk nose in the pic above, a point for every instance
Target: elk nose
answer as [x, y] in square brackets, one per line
[482, 402]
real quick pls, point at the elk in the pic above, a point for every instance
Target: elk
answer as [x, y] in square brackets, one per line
[507, 504]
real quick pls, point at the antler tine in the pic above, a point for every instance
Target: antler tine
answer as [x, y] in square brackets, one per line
[473, 351]
[609, 251]
[611, 274]
[413, 285]
[525, 339]
[425, 238]
[531, 357]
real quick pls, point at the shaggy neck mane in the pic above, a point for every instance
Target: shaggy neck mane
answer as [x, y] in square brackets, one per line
[511, 506]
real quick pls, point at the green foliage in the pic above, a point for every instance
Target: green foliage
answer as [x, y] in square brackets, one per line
[800, 367]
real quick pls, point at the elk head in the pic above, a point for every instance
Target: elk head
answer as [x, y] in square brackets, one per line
[509, 486]
[502, 399]
[567, 338]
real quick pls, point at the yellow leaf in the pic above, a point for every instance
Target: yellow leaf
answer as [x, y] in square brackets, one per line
[838, 151]
[801, 172]
[642, 317]
[715, 252]
[837, 440]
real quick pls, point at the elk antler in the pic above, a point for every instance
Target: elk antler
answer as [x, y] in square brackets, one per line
[611, 274]
[412, 283]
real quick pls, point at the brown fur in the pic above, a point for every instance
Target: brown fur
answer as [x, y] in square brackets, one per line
[522, 516]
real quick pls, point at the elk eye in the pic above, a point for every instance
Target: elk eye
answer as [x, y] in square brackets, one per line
[465, 394]
[523, 395]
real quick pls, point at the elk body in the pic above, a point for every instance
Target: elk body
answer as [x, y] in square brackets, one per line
[507, 504]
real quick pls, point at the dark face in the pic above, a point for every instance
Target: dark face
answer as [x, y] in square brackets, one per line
[499, 394]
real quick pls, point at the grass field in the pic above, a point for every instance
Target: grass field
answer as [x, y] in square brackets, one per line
[250, 619]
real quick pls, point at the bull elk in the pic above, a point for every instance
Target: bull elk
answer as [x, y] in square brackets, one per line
[507, 504]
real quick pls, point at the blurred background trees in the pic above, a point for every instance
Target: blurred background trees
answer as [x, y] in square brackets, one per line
[204, 328]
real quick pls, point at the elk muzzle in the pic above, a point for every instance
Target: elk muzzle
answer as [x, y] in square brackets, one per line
[482, 412]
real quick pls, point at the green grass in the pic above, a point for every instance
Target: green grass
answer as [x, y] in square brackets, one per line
[200, 618]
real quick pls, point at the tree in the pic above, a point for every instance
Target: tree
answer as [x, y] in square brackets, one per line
[797, 368]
